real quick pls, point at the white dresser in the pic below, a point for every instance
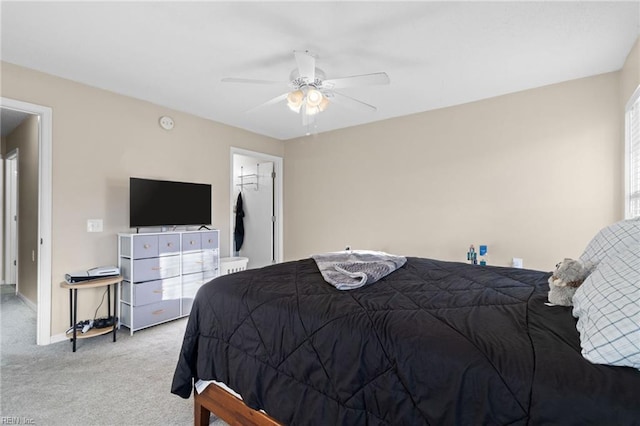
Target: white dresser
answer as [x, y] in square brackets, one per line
[162, 273]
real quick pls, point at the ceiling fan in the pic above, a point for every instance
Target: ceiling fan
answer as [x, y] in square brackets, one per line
[311, 92]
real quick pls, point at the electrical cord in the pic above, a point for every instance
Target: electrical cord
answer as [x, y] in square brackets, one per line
[101, 302]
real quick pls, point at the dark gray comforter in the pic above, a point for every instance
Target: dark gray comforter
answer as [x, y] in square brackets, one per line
[433, 343]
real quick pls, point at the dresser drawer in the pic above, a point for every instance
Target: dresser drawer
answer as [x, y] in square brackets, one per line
[151, 291]
[168, 244]
[192, 262]
[191, 241]
[156, 268]
[145, 246]
[210, 260]
[151, 314]
[210, 240]
[190, 285]
[209, 275]
[205, 260]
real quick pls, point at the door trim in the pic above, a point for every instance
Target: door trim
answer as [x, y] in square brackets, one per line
[12, 238]
[45, 120]
[278, 188]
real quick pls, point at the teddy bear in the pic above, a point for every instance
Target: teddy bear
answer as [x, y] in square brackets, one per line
[566, 279]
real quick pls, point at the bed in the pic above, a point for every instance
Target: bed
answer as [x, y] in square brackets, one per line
[433, 343]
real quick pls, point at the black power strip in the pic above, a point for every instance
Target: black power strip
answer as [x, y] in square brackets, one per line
[104, 322]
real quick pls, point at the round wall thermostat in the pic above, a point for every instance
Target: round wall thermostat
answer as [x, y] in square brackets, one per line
[166, 122]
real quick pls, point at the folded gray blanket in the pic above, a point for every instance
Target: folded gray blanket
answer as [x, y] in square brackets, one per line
[346, 270]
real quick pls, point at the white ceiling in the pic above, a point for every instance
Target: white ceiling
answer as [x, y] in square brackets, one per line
[436, 54]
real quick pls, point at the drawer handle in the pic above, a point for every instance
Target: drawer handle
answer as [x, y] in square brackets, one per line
[210, 240]
[192, 242]
[147, 246]
[169, 244]
[158, 312]
[157, 268]
[157, 291]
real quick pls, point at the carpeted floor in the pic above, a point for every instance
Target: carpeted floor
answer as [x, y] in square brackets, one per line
[103, 383]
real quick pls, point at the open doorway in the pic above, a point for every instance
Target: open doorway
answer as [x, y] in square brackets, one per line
[256, 178]
[40, 252]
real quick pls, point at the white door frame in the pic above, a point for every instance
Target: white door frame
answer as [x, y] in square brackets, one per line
[278, 187]
[10, 221]
[45, 120]
[2, 250]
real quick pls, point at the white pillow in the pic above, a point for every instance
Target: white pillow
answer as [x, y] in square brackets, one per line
[607, 306]
[612, 240]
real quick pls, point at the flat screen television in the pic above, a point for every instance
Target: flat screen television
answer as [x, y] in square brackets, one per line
[166, 203]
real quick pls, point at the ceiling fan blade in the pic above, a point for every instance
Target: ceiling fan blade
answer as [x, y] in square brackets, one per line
[275, 100]
[350, 102]
[357, 80]
[250, 80]
[306, 64]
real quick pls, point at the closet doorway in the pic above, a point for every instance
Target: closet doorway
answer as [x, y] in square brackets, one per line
[257, 179]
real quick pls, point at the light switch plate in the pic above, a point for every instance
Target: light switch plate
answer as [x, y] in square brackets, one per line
[94, 225]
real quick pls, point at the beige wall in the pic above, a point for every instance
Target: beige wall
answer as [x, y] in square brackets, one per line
[532, 174]
[24, 138]
[100, 139]
[630, 75]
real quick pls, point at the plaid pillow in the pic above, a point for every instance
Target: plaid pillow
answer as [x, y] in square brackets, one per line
[611, 240]
[607, 306]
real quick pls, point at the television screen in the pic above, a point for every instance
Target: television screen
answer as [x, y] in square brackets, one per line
[166, 203]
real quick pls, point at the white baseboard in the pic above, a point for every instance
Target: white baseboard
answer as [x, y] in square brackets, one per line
[59, 337]
[54, 339]
[27, 302]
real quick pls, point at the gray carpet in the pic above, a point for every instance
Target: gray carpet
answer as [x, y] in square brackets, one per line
[103, 383]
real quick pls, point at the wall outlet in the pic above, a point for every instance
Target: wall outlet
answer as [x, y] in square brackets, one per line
[94, 225]
[517, 262]
[347, 248]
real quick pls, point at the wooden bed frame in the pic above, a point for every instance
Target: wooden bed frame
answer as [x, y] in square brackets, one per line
[227, 407]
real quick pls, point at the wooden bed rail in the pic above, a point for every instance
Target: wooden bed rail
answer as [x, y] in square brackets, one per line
[227, 407]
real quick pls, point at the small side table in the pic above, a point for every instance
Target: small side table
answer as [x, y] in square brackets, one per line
[73, 302]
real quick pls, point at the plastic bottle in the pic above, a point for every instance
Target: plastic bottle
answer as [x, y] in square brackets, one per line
[483, 255]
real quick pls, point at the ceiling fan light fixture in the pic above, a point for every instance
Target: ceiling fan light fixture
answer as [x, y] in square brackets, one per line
[314, 97]
[294, 100]
[323, 104]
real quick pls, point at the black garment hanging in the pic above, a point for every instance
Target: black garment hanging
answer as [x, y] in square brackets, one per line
[238, 232]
